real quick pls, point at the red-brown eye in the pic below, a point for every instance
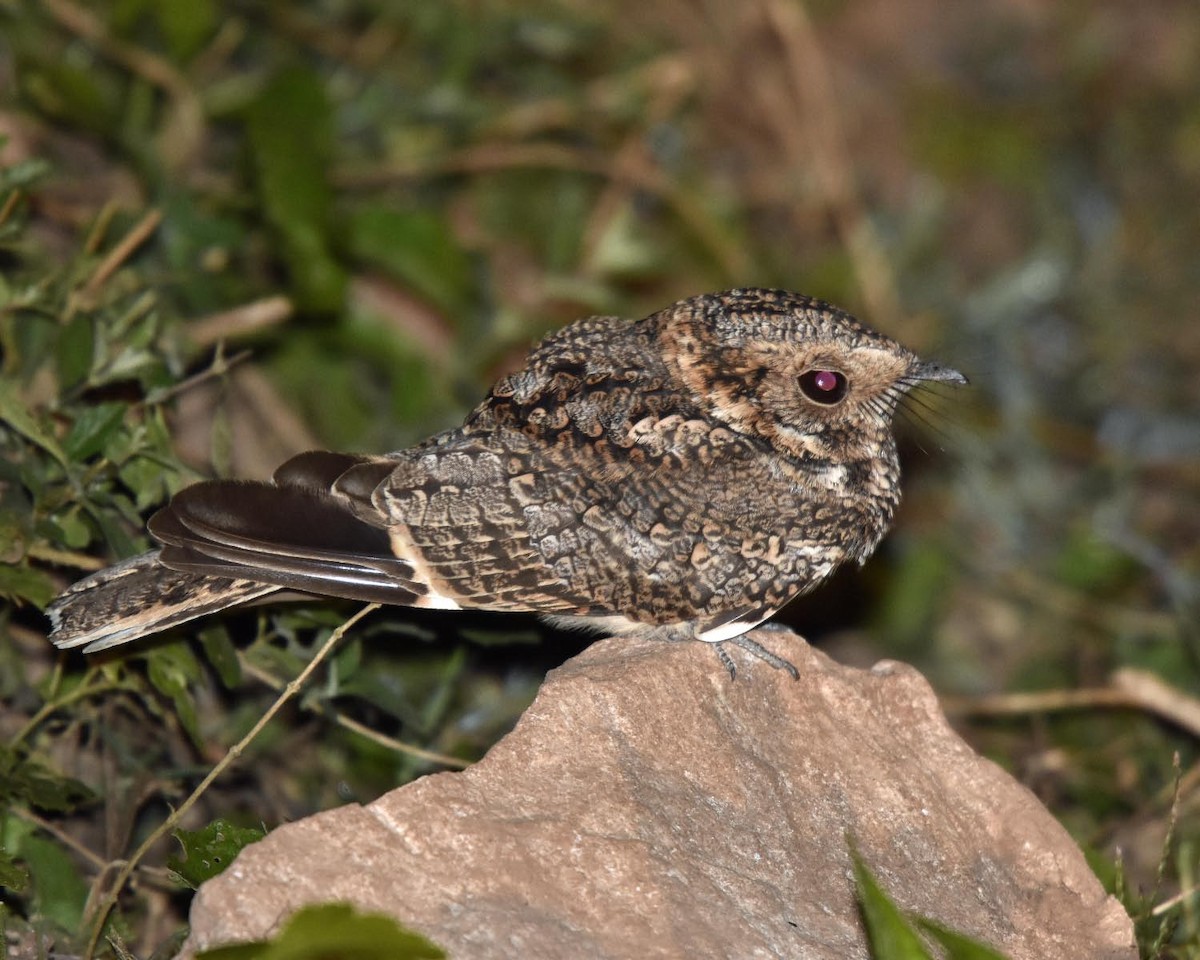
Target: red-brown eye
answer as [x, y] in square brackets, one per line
[823, 386]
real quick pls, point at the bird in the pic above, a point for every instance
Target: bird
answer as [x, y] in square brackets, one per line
[679, 477]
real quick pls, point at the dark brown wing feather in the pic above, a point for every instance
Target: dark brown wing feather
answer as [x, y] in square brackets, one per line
[317, 470]
[288, 536]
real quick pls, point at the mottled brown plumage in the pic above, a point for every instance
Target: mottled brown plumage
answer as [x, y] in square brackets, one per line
[683, 476]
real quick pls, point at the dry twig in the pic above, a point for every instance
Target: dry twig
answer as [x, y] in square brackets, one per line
[101, 914]
[1129, 689]
[349, 723]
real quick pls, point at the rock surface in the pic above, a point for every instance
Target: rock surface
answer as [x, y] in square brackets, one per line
[648, 806]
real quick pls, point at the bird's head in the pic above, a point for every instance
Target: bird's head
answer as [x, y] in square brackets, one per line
[797, 372]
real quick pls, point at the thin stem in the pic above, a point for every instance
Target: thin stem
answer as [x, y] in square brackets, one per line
[123, 250]
[60, 835]
[349, 723]
[106, 905]
[82, 692]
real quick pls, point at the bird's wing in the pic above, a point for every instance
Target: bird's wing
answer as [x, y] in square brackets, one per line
[471, 518]
[308, 530]
[574, 489]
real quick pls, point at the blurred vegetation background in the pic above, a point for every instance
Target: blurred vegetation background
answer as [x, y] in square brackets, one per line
[232, 230]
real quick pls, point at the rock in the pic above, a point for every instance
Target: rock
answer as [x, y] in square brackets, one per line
[648, 806]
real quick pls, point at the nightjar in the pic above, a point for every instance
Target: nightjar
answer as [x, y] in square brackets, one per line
[680, 477]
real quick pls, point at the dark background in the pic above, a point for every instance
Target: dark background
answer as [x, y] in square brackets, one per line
[369, 210]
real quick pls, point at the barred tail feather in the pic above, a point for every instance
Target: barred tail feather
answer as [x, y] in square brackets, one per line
[138, 597]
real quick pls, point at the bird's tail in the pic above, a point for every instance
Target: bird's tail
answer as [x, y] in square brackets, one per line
[137, 597]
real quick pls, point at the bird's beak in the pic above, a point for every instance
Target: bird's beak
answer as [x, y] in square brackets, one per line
[929, 371]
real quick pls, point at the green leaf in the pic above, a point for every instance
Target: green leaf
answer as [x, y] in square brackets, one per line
[344, 665]
[501, 636]
[26, 781]
[208, 851]
[147, 479]
[894, 937]
[16, 514]
[275, 660]
[186, 25]
[59, 889]
[172, 669]
[957, 946]
[77, 93]
[915, 593]
[16, 413]
[416, 248]
[73, 529]
[547, 209]
[335, 930]
[438, 704]
[624, 249]
[112, 529]
[964, 143]
[24, 173]
[222, 654]
[93, 429]
[13, 876]
[20, 583]
[1091, 565]
[339, 413]
[75, 350]
[290, 130]
[891, 936]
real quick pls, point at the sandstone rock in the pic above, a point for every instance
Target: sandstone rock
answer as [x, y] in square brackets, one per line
[648, 806]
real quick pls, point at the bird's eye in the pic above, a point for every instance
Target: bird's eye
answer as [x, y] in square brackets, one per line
[825, 387]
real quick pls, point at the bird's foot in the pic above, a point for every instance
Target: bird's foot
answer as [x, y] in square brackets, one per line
[692, 632]
[758, 650]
